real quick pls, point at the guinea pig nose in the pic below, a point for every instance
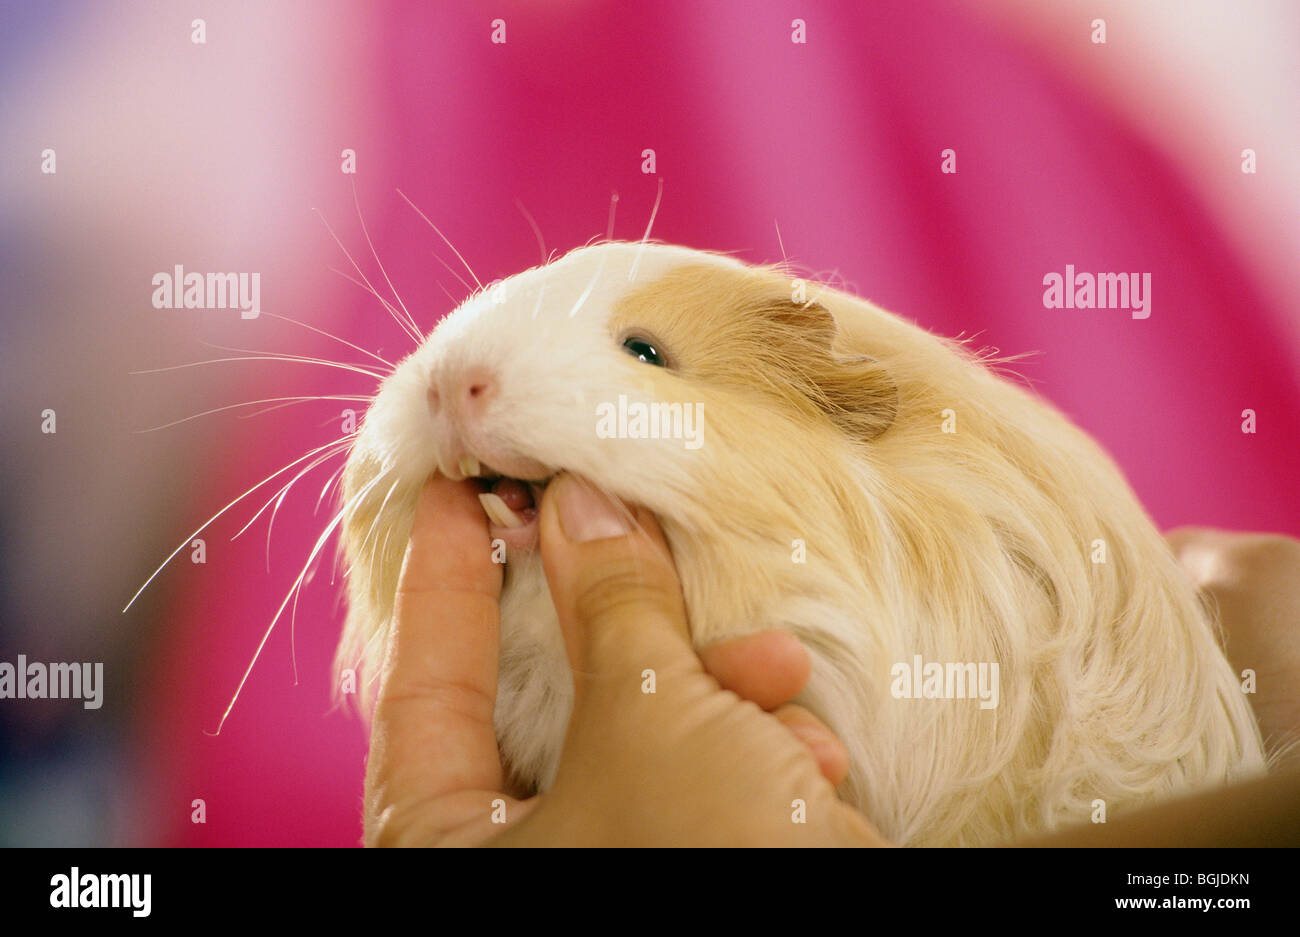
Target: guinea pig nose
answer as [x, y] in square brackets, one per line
[477, 387]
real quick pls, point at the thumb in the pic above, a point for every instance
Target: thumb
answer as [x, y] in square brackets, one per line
[614, 587]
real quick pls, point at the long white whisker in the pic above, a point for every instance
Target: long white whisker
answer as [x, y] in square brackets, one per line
[283, 354]
[291, 403]
[631, 274]
[284, 493]
[279, 500]
[333, 479]
[469, 290]
[541, 243]
[334, 449]
[444, 238]
[293, 635]
[253, 403]
[383, 361]
[295, 360]
[454, 301]
[411, 333]
[374, 253]
[613, 206]
[320, 542]
[779, 241]
[210, 520]
[388, 307]
[291, 356]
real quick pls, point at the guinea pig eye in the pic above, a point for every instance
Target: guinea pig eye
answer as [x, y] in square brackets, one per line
[642, 350]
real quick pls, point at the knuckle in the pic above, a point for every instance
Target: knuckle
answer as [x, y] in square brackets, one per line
[624, 590]
[389, 829]
[425, 691]
[383, 831]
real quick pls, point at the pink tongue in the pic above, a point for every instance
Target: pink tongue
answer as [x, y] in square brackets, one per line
[514, 493]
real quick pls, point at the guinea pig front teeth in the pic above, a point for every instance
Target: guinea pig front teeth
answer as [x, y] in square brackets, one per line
[469, 466]
[497, 511]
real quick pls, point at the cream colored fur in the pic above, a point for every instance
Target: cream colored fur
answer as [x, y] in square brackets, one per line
[823, 423]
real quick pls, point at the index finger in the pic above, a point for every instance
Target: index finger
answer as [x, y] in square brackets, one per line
[432, 732]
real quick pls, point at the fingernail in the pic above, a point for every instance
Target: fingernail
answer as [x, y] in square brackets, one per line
[586, 514]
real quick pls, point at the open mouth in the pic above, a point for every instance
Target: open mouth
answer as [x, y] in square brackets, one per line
[511, 504]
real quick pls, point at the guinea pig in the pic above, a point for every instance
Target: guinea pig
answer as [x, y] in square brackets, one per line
[999, 634]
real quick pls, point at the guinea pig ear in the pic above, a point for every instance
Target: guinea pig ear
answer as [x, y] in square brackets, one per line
[855, 391]
[808, 322]
[858, 393]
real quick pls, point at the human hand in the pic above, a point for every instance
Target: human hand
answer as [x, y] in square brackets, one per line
[1254, 581]
[689, 764]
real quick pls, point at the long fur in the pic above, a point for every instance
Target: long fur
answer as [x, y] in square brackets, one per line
[824, 422]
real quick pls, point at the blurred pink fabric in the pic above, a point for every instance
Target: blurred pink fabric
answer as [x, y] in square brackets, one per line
[839, 142]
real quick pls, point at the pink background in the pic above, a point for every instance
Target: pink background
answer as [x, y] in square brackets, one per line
[837, 140]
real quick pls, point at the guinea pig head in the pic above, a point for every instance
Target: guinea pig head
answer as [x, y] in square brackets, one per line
[714, 393]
